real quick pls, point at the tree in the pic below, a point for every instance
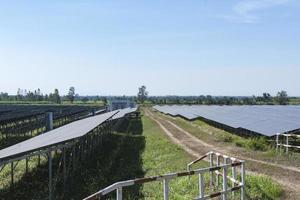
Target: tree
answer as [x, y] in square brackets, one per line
[142, 95]
[267, 97]
[249, 100]
[71, 94]
[85, 99]
[54, 97]
[209, 100]
[4, 96]
[105, 102]
[282, 98]
[19, 96]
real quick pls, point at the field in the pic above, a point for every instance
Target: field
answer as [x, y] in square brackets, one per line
[138, 148]
[294, 101]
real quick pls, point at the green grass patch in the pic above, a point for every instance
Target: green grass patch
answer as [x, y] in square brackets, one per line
[161, 157]
[261, 187]
[256, 144]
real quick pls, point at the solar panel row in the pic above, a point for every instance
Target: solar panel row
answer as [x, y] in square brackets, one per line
[63, 134]
[265, 120]
[123, 112]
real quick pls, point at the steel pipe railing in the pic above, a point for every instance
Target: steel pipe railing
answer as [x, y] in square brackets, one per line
[165, 179]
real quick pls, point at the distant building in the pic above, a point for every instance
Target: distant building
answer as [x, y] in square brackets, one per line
[115, 104]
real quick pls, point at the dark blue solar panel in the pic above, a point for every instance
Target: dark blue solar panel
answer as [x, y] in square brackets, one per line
[266, 120]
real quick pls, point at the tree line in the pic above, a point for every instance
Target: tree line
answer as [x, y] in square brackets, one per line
[37, 95]
[281, 98]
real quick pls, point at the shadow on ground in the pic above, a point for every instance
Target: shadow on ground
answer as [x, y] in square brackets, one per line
[118, 159]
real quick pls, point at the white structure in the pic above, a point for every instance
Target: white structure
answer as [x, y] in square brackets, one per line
[221, 168]
[283, 140]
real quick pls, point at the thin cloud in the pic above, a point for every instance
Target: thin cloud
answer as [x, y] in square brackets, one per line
[248, 11]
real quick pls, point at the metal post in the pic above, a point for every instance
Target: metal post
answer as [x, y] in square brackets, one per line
[73, 157]
[26, 165]
[201, 185]
[224, 196]
[243, 181]
[211, 173]
[49, 121]
[80, 152]
[12, 174]
[64, 167]
[217, 176]
[287, 145]
[234, 177]
[166, 189]
[39, 160]
[277, 141]
[119, 193]
[50, 174]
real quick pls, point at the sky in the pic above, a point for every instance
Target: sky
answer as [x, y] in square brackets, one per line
[193, 47]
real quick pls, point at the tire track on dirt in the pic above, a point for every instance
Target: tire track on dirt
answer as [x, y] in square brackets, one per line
[285, 175]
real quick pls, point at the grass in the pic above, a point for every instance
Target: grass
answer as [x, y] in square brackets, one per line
[255, 144]
[159, 149]
[161, 157]
[137, 149]
[258, 147]
[209, 134]
[262, 187]
[294, 101]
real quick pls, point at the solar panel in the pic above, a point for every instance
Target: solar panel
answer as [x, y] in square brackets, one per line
[60, 135]
[123, 112]
[266, 120]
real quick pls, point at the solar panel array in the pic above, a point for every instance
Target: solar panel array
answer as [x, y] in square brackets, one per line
[15, 112]
[123, 112]
[63, 134]
[265, 120]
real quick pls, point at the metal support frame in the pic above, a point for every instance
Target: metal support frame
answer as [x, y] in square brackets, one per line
[166, 189]
[50, 174]
[285, 142]
[211, 163]
[64, 168]
[119, 193]
[224, 195]
[74, 154]
[12, 174]
[201, 185]
[240, 185]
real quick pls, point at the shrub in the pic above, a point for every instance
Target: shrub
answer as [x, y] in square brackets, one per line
[239, 142]
[226, 138]
[257, 144]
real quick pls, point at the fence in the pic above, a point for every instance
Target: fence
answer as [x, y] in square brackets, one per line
[228, 162]
[285, 142]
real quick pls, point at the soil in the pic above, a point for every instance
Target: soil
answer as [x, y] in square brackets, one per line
[287, 176]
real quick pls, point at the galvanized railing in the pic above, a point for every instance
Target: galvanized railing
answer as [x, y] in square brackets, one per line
[237, 185]
[286, 144]
[216, 166]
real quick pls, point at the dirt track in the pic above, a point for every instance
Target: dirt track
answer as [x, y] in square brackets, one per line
[288, 177]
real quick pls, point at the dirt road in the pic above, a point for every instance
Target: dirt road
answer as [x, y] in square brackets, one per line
[288, 177]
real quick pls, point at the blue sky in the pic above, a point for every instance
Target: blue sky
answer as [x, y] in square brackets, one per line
[228, 47]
